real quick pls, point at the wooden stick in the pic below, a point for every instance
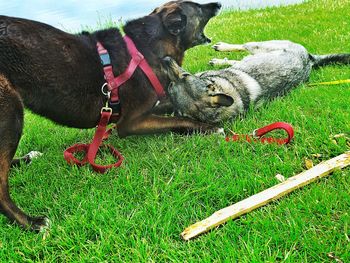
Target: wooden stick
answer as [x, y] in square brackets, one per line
[267, 196]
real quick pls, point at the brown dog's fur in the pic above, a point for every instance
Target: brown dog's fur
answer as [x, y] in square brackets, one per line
[59, 76]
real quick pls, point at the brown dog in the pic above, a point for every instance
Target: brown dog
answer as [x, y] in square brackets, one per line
[59, 76]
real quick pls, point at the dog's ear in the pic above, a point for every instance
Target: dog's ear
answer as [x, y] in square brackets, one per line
[175, 22]
[221, 100]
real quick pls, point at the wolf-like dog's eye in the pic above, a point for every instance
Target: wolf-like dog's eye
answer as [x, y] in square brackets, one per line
[185, 74]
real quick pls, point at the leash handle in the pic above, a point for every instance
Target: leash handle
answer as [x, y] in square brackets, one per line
[90, 150]
[258, 134]
[96, 143]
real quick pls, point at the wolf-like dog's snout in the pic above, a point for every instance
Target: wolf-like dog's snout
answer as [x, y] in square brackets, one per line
[174, 71]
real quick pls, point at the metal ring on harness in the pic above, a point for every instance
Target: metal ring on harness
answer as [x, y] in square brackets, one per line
[107, 92]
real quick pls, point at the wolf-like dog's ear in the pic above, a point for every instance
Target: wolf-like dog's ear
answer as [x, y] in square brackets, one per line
[221, 100]
[175, 22]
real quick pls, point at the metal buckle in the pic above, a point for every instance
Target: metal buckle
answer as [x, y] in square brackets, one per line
[254, 134]
[107, 93]
[106, 109]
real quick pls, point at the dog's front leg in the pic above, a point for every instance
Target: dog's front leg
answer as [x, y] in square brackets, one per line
[151, 124]
[225, 47]
[164, 107]
[223, 62]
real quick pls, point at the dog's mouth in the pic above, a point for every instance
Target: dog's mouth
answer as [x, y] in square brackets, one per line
[209, 10]
[203, 39]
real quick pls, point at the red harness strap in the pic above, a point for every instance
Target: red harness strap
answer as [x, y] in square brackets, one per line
[113, 84]
[137, 60]
[258, 133]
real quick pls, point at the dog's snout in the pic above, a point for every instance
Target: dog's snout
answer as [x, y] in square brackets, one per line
[208, 40]
[167, 59]
[213, 8]
[218, 5]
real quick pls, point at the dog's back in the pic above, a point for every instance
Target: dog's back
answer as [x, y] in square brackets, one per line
[277, 66]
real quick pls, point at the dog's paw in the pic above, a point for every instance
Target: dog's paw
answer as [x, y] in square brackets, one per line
[218, 62]
[221, 46]
[220, 132]
[33, 155]
[39, 224]
[218, 46]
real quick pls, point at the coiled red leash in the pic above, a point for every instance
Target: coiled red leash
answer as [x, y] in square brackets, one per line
[257, 135]
[91, 150]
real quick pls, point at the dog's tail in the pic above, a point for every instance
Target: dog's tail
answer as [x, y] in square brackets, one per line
[324, 60]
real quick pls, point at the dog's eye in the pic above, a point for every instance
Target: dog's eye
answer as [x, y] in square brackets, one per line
[171, 85]
[185, 74]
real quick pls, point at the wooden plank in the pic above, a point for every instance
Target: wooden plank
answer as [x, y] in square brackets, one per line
[245, 206]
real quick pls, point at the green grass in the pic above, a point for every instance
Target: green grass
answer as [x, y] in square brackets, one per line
[168, 182]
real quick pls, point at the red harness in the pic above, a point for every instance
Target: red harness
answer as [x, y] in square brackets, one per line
[112, 106]
[137, 60]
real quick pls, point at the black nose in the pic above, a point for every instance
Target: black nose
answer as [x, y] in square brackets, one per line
[218, 5]
[213, 8]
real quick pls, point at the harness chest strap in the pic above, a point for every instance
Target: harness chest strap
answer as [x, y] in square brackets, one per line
[137, 60]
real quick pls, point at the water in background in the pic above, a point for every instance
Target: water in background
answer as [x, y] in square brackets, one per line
[74, 15]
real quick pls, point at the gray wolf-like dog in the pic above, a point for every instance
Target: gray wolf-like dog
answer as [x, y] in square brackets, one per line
[273, 68]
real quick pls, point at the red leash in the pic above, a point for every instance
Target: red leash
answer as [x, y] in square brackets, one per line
[258, 134]
[91, 150]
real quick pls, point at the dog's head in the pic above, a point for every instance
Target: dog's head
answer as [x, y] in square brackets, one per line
[202, 96]
[173, 27]
[186, 20]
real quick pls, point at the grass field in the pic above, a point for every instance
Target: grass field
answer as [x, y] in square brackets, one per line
[136, 213]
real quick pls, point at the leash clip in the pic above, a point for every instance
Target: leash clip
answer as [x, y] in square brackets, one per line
[106, 109]
[254, 134]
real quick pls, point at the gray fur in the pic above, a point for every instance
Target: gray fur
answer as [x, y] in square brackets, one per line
[273, 68]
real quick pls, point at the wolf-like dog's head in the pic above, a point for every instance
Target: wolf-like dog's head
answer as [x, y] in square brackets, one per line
[203, 96]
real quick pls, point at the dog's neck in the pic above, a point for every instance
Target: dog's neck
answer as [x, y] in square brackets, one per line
[152, 39]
